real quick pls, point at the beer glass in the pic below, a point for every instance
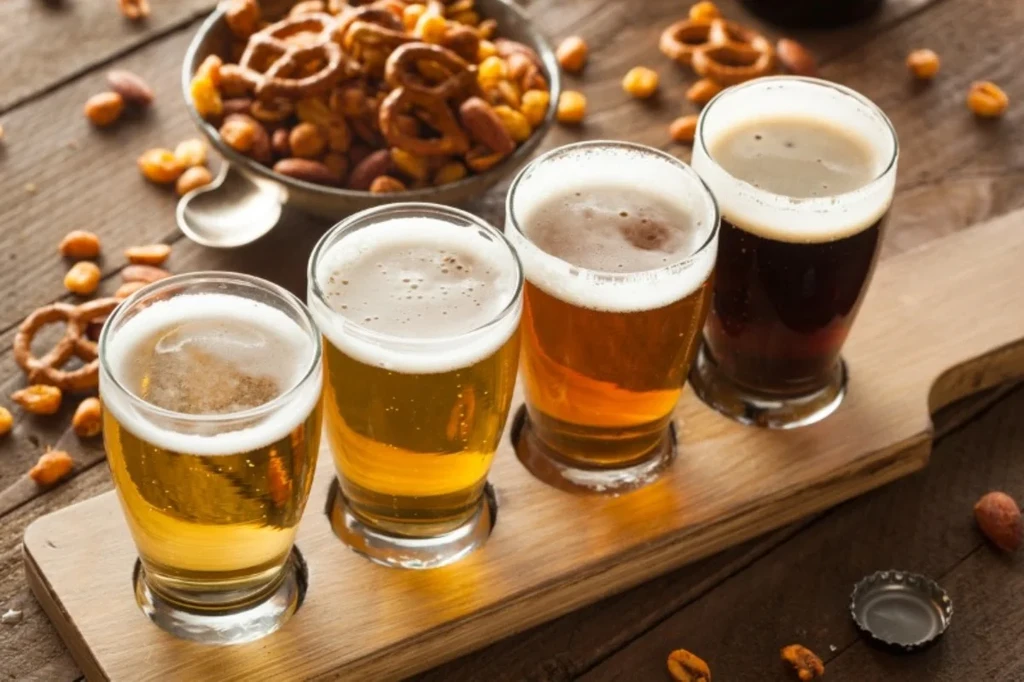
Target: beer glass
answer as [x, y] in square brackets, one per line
[804, 172]
[211, 393]
[618, 244]
[419, 305]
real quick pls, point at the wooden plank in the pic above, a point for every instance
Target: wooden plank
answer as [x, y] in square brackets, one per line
[46, 43]
[800, 591]
[733, 483]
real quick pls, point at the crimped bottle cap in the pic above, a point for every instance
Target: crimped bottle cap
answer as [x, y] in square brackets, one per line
[900, 610]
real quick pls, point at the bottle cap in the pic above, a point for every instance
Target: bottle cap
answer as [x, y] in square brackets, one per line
[900, 610]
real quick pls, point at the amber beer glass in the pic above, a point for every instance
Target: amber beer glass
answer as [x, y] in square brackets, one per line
[618, 245]
[419, 306]
[804, 172]
[211, 392]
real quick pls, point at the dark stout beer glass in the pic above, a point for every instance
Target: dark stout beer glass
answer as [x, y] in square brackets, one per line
[804, 172]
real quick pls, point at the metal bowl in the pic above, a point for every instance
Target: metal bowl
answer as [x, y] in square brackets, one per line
[246, 199]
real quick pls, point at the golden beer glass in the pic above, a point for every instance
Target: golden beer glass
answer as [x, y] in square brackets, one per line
[419, 306]
[211, 389]
[606, 351]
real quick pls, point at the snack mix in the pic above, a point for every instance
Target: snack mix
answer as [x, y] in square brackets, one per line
[382, 97]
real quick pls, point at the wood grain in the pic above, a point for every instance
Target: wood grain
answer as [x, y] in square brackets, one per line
[729, 484]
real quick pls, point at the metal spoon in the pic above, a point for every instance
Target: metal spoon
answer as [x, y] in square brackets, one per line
[231, 211]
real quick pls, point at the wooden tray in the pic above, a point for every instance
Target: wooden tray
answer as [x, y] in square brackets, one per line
[938, 324]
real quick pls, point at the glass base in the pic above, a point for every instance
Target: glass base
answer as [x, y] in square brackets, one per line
[406, 551]
[237, 625]
[555, 470]
[758, 409]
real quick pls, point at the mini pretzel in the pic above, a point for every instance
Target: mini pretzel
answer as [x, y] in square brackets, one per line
[679, 40]
[407, 65]
[723, 51]
[75, 342]
[274, 56]
[434, 111]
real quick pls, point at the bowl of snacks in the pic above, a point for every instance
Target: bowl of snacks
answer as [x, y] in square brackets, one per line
[331, 108]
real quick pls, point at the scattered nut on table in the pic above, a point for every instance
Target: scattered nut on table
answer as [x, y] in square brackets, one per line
[146, 274]
[104, 109]
[87, 421]
[6, 421]
[923, 64]
[193, 178]
[701, 92]
[805, 663]
[131, 87]
[150, 254]
[999, 518]
[160, 166]
[640, 82]
[987, 100]
[38, 399]
[684, 666]
[704, 11]
[127, 289]
[51, 467]
[796, 58]
[191, 152]
[83, 278]
[79, 245]
[572, 107]
[683, 129]
[572, 54]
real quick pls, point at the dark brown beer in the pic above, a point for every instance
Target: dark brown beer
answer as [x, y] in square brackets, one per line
[804, 173]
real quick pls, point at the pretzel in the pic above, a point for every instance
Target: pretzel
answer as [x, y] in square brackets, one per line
[75, 342]
[431, 109]
[723, 51]
[275, 57]
[410, 65]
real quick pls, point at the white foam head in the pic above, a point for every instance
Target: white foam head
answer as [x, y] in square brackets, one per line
[584, 166]
[293, 349]
[415, 288]
[783, 218]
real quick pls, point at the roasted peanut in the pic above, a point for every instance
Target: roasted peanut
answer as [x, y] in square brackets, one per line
[452, 171]
[88, 419]
[534, 105]
[640, 82]
[147, 274]
[805, 664]
[82, 278]
[307, 141]
[239, 132]
[484, 50]
[160, 166]
[467, 17]
[415, 167]
[487, 28]
[701, 92]
[507, 92]
[704, 11]
[79, 245]
[492, 70]
[205, 97]
[514, 122]
[150, 254]
[210, 68]
[683, 129]
[430, 28]
[193, 178]
[572, 107]
[481, 158]
[51, 467]
[134, 9]
[132, 89]
[385, 184]
[38, 399]
[686, 667]
[127, 289]
[987, 100]
[191, 152]
[243, 17]
[6, 421]
[411, 15]
[572, 54]
[103, 109]
[923, 64]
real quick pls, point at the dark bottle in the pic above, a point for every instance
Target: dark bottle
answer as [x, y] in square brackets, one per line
[813, 13]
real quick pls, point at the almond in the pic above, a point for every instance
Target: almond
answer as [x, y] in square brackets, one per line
[143, 273]
[306, 170]
[998, 517]
[796, 58]
[132, 88]
[371, 167]
[484, 126]
[150, 254]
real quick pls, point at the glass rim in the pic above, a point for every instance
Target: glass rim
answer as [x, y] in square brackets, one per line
[805, 202]
[355, 222]
[609, 275]
[212, 276]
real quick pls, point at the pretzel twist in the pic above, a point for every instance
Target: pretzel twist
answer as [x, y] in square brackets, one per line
[48, 368]
[434, 111]
[723, 51]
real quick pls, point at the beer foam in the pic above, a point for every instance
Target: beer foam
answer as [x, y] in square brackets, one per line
[784, 218]
[289, 341]
[650, 177]
[417, 294]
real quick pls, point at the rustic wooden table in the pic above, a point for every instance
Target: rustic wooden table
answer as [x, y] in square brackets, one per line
[735, 609]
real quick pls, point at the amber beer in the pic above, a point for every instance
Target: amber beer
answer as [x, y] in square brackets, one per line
[618, 243]
[211, 385]
[419, 306]
[804, 173]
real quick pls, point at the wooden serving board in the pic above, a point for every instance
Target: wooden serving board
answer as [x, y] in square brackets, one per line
[938, 324]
